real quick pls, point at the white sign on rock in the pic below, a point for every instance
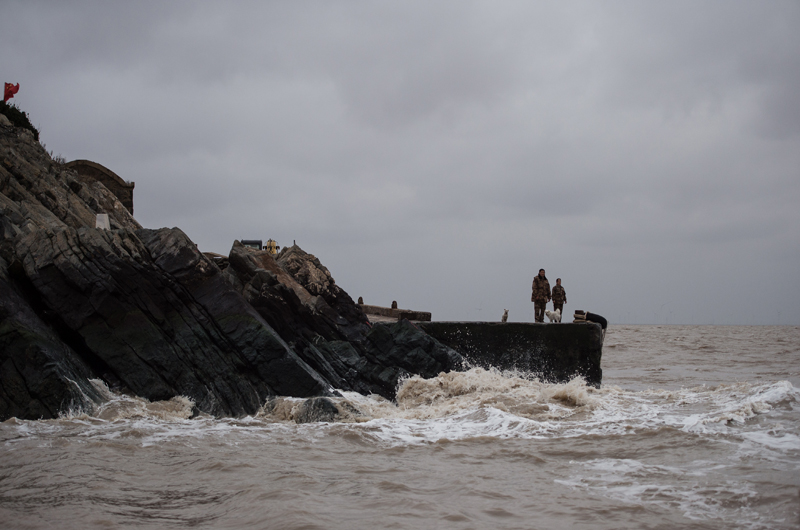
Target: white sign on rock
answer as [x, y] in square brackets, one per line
[103, 222]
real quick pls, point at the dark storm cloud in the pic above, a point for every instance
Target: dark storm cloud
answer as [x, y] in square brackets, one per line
[439, 153]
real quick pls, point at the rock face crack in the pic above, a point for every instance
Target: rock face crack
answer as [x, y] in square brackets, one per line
[37, 366]
[65, 333]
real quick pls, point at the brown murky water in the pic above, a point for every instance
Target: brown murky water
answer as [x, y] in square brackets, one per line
[694, 427]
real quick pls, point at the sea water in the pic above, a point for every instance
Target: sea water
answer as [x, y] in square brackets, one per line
[693, 427]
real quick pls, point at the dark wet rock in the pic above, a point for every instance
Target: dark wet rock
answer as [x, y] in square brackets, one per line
[322, 409]
[401, 349]
[348, 409]
[40, 376]
[148, 313]
[161, 318]
[317, 410]
[408, 347]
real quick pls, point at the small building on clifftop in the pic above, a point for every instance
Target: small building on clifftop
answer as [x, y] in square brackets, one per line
[89, 171]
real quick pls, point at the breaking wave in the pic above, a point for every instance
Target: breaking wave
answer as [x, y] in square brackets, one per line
[117, 406]
[489, 403]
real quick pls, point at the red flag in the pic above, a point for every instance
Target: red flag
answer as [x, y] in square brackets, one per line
[9, 91]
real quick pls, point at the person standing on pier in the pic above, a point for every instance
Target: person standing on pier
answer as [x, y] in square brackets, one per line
[540, 295]
[559, 297]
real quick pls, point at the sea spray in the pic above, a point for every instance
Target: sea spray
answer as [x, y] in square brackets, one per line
[118, 406]
[513, 392]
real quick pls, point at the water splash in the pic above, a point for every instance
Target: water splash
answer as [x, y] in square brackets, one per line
[119, 406]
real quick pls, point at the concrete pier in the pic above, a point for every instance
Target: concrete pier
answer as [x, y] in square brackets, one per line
[393, 314]
[555, 352]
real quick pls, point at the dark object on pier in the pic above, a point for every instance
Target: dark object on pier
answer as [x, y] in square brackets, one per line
[585, 316]
[593, 317]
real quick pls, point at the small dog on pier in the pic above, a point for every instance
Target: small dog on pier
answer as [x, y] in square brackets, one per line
[554, 316]
[505, 316]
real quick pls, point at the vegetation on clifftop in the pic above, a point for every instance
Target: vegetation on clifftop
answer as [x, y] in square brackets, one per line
[18, 118]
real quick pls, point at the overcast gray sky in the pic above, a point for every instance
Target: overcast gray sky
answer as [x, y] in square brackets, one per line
[440, 153]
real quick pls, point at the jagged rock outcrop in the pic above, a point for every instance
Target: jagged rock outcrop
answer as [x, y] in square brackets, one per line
[307, 270]
[288, 305]
[145, 311]
[299, 298]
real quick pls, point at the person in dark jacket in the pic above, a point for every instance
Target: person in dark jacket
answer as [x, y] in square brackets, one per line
[559, 297]
[540, 295]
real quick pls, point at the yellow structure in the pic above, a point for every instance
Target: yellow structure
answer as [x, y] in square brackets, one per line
[272, 247]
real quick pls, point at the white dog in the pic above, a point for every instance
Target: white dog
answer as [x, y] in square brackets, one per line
[554, 316]
[505, 316]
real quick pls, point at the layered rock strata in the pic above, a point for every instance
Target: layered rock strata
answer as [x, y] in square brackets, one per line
[145, 312]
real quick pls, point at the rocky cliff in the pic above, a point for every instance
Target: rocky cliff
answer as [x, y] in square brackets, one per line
[146, 312]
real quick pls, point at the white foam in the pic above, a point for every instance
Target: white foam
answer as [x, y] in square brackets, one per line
[118, 406]
[735, 404]
[487, 403]
[780, 441]
[670, 487]
[484, 422]
[480, 403]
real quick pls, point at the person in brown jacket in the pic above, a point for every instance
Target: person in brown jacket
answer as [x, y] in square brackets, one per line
[559, 297]
[540, 295]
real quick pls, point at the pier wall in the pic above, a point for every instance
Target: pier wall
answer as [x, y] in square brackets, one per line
[555, 352]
